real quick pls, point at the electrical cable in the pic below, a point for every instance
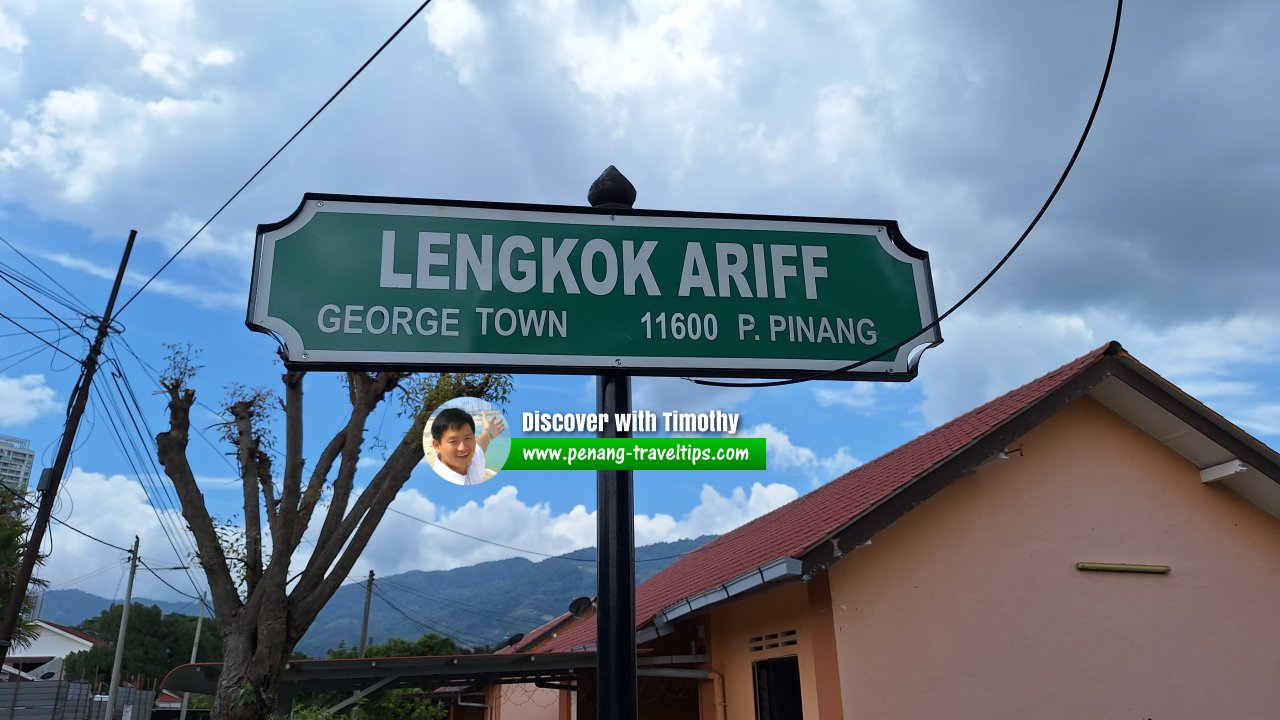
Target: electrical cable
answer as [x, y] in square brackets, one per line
[84, 308]
[452, 634]
[465, 607]
[1102, 87]
[15, 274]
[276, 154]
[490, 542]
[527, 551]
[84, 577]
[26, 355]
[78, 531]
[5, 277]
[166, 582]
[34, 335]
[132, 455]
[148, 437]
[151, 373]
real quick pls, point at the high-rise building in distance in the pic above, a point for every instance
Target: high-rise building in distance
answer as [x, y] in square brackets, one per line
[16, 460]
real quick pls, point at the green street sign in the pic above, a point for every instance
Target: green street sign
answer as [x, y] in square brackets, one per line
[356, 282]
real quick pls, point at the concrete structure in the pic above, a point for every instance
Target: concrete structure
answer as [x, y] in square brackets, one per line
[53, 643]
[1094, 544]
[16, 461]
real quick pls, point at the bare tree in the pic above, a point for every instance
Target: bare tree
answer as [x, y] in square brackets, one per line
[264, 608]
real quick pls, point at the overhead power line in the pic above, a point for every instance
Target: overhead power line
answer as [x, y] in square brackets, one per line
[526, 550]
[276, 154]
[82, 308]
[6, 278]
[35, 335]
[1097, 102]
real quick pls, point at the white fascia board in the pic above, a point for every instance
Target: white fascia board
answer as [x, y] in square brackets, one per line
[774, 571]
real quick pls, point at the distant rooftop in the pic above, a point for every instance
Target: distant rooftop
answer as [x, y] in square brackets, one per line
[14, 441]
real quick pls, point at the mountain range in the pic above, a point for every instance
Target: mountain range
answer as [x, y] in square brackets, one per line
[478, 605]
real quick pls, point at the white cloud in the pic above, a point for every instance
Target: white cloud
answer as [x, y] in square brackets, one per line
[1261, 419]
[402, 544]
[80, 139]
[666, 43]
[201, 295]
[838, 464]
[25, 398]
[459, 31]
[664, 394]
[163, 35]
[847, 130]
[716, 513]
[989, 354]
[113, 508]
[986, 355]
[12, 37]
[235, 252]
[783, 454]
[855, 395]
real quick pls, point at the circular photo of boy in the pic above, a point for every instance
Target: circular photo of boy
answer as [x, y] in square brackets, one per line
[465, 441]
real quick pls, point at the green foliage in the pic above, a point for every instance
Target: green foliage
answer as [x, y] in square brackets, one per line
[246, 696]
[423, 393]
[180, 364]
[13, 532]
[155, 643]
[392, 704]
[429, 644]
[231, 537]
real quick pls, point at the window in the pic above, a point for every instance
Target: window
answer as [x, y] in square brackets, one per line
[778, 689]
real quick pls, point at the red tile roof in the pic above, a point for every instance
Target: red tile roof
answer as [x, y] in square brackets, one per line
[804, 523]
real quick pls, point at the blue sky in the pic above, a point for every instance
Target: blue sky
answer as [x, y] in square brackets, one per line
[955, 119]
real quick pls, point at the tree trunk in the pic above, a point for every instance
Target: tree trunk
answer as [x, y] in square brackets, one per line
[261, 621]
[250, 679]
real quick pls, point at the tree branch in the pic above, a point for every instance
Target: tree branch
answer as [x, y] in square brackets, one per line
[315, 486]
[312, 591]
[320, 580]
[282, 529]
[366, 392]
[248, 452]
[171, 447]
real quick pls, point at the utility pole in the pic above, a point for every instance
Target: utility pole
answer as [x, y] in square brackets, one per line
[47, 495]
[195, 645]
[124, 625]
[364, 624]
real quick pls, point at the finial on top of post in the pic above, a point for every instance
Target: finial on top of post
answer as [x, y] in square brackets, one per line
[612, 190]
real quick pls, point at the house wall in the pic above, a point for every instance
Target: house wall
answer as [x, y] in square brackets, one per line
[53, 643]
[970, 606]
[785, 607]
[526, 701]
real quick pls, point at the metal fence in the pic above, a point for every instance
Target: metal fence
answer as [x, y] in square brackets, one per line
[62, 700]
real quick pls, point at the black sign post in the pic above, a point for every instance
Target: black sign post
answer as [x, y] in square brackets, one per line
[615, 523]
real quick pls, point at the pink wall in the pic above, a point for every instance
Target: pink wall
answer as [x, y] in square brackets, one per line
[782, 608]
[970, 606]
[526, 701]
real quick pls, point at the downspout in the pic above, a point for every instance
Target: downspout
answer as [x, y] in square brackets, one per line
[717, 682]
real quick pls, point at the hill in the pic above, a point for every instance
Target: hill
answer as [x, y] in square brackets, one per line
[72, 607]
[476, 605]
